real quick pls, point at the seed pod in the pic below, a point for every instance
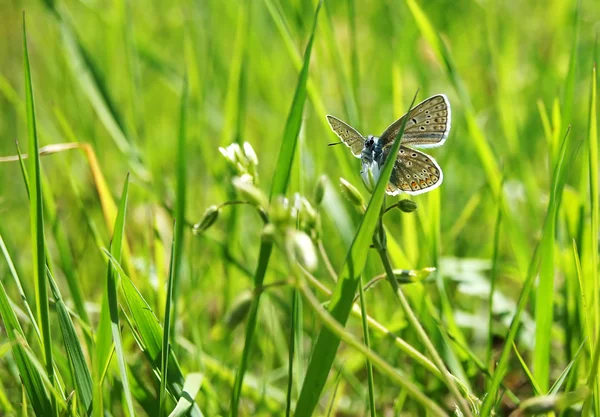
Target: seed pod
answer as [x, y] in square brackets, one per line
[303, 249]
[210, 215]
[249, 191]
[320, 189]
[351, 193]
[238, 310]
[407, 206]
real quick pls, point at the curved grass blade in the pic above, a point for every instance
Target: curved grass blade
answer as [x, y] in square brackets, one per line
[36, 214]
[281, 178]
[82, 378]
[30, 377]
[343, 295]
[190, 389]
[108, 334]
[148, 334]
[285, 160]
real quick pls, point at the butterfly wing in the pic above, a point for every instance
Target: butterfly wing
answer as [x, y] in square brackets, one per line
[428, 124]
[414, 172]
[350, 136]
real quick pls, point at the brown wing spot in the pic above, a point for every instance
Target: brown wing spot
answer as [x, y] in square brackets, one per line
[434, 179]
[423, 183]
[405, 186]
[414, 154]
[433, 170]
[402, 151]
[429, 182]
[422, 128]
[414, 185]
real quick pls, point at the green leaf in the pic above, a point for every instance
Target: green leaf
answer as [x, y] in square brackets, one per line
[36, 216]
[31, 378]
[285, 160]
[558, 181]
[343, 295]
[281, 178]
[190, 389]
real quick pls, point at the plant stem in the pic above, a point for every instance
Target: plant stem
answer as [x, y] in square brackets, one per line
[412, 319]
[363, 311]
[393, 374]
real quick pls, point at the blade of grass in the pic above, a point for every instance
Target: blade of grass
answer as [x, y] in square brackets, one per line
[82, 378]
[333, 326]
[112, 295]
[592, 381]
[343, 295]
[365, 326]
[281, 178]
[36, 214]
[148, 334]
[558, 181]
[166, 346]
[30, 377]
[181, 198]
[191, 387]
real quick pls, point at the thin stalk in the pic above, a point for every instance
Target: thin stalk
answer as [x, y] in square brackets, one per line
[385, 368]
[365, 326]
[328, 265]
[412, 319]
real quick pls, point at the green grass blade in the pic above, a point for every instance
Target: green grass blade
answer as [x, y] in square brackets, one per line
[285, 160]
[112, 290]
[281, 178]
[343, 295]
[592, 380]
[148, 334]
[365, 328]
[36, 215]
[190, 390]
[30, 377]
[82, 378]
[558, 181]
[166, 346]
[181, 201]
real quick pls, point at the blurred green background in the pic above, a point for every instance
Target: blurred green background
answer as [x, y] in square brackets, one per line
[110, 73]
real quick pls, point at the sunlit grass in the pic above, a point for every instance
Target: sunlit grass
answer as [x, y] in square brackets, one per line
[137, 122]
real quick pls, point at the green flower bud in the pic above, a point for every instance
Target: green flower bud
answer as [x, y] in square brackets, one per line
[409, 276]
[210, 215]
[303, 249]
[351, 193]
[280, 212]
[320, 189]
[249, 191]
[407, 206]
[239, 309]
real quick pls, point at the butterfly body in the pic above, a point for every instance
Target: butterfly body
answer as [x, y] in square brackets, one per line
[414, 172]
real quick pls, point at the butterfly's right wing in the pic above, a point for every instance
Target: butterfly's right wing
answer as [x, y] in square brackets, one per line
[414, 172]
[427, 126]
[351, 138]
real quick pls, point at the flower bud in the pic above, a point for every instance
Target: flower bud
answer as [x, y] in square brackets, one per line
[280, 212]
[239, 309]
[351, 193]
[210, 215]
[303, 249]
[407, 206]
[320, 189]
[409, 276]
[249, 191]
[269, 233]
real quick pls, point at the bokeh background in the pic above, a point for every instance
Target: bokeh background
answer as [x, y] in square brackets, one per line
[110, 74]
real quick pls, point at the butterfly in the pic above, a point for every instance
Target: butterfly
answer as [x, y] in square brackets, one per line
[414, 172]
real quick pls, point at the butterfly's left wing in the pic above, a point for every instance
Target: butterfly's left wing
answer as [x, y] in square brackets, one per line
[350, 136]
[427, 126]
[414, 172]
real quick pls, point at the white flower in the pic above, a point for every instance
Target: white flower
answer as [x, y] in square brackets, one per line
[370, 174]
